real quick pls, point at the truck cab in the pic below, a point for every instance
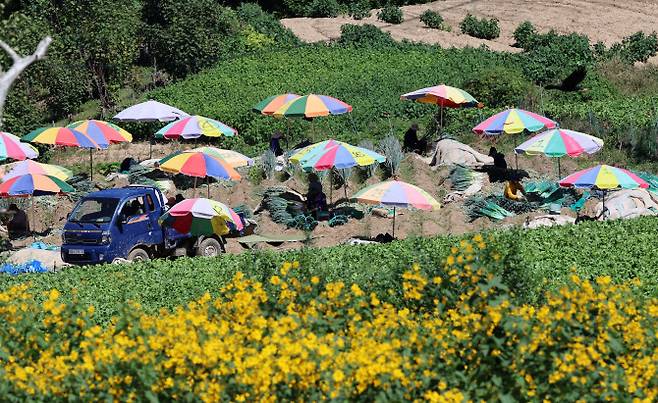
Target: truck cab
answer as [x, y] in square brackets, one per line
[123, 223]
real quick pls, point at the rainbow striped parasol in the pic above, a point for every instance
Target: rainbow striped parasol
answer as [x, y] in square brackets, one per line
[604, 177]
[201, 216]
[512, 121]
[12, 148]
[270, 104]
[34, 185]
[36, 168]
[193, 127]
[313, 106]
[112, 133]
[442, 95]
[334, 154]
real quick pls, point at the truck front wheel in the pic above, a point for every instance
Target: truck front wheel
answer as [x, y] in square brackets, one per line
[138, 255]
[209, 247]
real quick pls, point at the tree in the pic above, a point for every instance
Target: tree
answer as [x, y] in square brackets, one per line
[19, 64]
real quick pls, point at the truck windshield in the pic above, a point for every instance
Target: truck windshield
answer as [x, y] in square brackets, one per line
[94, 210]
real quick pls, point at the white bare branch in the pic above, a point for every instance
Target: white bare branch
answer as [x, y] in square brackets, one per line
[20, 63]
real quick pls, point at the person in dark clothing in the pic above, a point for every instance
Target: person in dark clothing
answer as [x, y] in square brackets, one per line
[179, 198]
[411, 141]
[316, 200]
[500, 165]
[126, 164]
[275, 143]
[19, 225]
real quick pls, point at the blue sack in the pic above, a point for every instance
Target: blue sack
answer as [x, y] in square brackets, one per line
[33, 266]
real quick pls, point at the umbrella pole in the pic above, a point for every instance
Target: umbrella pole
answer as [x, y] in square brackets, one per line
[559, 169]
[195, 186]
[603, 210]
[394, 214]
[91, 164]
[30, 228]
[208, 184]
[345, 184]
[150, 149]
[441, 124]
[331, 187]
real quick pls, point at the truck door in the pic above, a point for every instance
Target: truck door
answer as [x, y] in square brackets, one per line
[154, 211]
[135, 225]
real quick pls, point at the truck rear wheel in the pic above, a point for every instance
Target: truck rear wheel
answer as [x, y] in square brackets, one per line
[209, 247]
[138, 255]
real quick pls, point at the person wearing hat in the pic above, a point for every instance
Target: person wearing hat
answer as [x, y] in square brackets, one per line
[275, 143]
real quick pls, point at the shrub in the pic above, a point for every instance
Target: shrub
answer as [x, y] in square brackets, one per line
[432, 19]
[524, 34]
[364, 35]
[552, 57]
[498, 87]
[187, 36]
[391, 14]
[323, 8]
[636, 48]
[267, 24]
[480, 28]
[360, 9]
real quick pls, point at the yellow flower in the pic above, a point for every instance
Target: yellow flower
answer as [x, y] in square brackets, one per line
[275, 280]
[338, 376]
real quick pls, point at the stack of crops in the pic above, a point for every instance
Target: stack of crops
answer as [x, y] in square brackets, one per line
[284, 211]
[478, 206]
[461, 177]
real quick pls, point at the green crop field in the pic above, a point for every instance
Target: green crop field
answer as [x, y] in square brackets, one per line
[535, 261]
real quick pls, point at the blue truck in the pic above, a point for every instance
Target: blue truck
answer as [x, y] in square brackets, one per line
[122, 223]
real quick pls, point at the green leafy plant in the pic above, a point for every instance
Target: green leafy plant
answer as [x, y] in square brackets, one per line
[364, 35]
[499, 87]
[524, 34]
[636, 48]
[359, 9]
[432, 19]
[480, 28]
[323, 8]
[391, 14]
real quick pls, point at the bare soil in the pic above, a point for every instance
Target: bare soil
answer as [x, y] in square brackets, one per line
[48, 218]
[607, 21]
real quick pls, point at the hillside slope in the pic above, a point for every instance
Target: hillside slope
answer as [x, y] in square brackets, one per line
[607, 21]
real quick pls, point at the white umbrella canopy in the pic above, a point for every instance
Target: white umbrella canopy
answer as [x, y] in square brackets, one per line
[150, 111]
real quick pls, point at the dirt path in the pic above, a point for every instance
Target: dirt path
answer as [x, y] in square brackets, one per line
[603, 20]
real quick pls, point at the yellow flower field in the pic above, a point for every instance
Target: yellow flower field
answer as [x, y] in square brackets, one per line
[459, 336]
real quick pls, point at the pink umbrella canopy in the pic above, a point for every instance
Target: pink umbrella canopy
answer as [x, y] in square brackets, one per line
[11, 147]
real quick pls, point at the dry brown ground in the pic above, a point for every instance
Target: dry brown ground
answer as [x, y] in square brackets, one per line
[603, 20]
[450, 219]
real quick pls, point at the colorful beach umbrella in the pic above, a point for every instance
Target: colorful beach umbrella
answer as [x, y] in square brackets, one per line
[397, 194]
[11, 147]
[150, 111]
[312, 106]
[335, 154]
[112, 133]
[198, 165]
[442, 95]
[556, 143]
[200, 217]
[560, 142]
[270, 104]
[64, 136]
[234, 158]
[36, 168]
[604, 177]
[512, 121]
[34, 185]
[193, 127]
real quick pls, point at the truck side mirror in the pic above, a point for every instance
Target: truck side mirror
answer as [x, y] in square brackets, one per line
[123, 219]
